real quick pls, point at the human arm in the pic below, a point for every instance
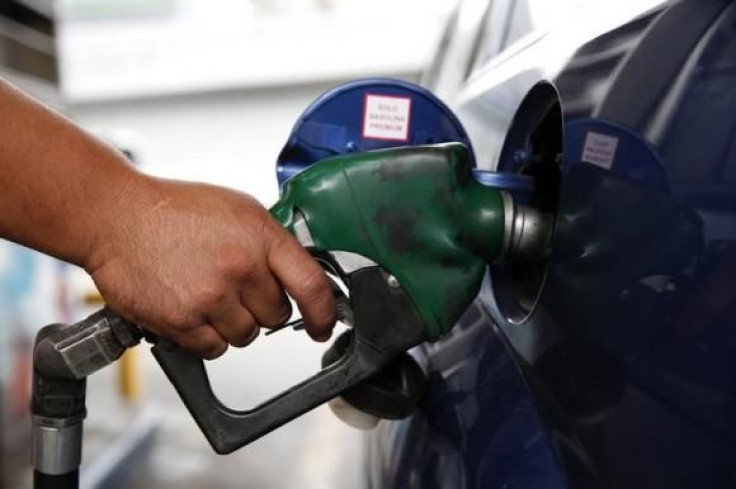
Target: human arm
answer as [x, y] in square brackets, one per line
[201, 265]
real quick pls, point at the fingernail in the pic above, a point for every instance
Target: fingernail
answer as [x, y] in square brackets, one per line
[254, 335]
[286, 315]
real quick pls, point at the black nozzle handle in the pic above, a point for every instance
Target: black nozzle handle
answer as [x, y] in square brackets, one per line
[227, 429]
[386, 325]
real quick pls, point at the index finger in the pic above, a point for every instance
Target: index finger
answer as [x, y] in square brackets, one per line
[306, 282]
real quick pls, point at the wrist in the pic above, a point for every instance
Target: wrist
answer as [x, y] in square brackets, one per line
[116, 216]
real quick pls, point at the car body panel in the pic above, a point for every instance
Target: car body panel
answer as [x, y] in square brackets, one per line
[478, 426]
[623, 376]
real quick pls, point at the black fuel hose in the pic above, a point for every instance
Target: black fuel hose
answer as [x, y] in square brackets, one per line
[69, 480]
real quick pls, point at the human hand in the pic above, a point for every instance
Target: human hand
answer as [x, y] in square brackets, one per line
[204, 266]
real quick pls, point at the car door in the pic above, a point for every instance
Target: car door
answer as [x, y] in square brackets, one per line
[613, 364]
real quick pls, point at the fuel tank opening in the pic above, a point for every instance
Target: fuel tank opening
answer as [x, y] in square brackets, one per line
[532, 152]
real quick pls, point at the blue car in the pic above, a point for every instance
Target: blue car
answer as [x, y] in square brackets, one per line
[612, 364]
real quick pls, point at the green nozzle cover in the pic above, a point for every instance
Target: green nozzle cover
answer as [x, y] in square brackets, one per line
[416, 211]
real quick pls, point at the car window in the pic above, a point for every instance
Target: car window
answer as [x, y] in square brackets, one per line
[520, 22]
[509, 21]
[431, 75]
[492, 32]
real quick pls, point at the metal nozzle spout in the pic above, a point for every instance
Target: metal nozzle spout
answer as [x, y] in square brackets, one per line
[528, 233]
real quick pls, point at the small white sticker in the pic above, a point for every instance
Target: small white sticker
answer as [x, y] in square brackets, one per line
[599, 149]
[386, 117]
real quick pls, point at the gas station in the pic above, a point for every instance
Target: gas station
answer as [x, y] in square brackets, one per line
[501, 231]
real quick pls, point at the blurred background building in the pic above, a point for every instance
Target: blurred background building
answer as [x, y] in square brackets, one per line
[201, 91]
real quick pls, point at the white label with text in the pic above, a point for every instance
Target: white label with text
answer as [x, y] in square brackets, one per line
[386, 117]
[599, 149]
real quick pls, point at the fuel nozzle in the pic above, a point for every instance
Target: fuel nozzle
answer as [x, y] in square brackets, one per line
[525, 230]
[396, 391]
[419, 214]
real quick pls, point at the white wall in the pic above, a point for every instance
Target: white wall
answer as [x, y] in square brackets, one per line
[231, 139]
[182, 46]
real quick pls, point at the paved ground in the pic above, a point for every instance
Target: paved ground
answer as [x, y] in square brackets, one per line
[315, 451]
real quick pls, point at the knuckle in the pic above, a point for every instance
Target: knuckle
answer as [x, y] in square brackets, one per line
[283, 246]
[202, 340]
[214, 351]
[278, 315]
[245, 335]
[211, 296]
[267, 227]
[209, 349]
[315, 286]
[235, 262]
[214, 348]
[248, 273]
[318, 298]
[179, 322]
